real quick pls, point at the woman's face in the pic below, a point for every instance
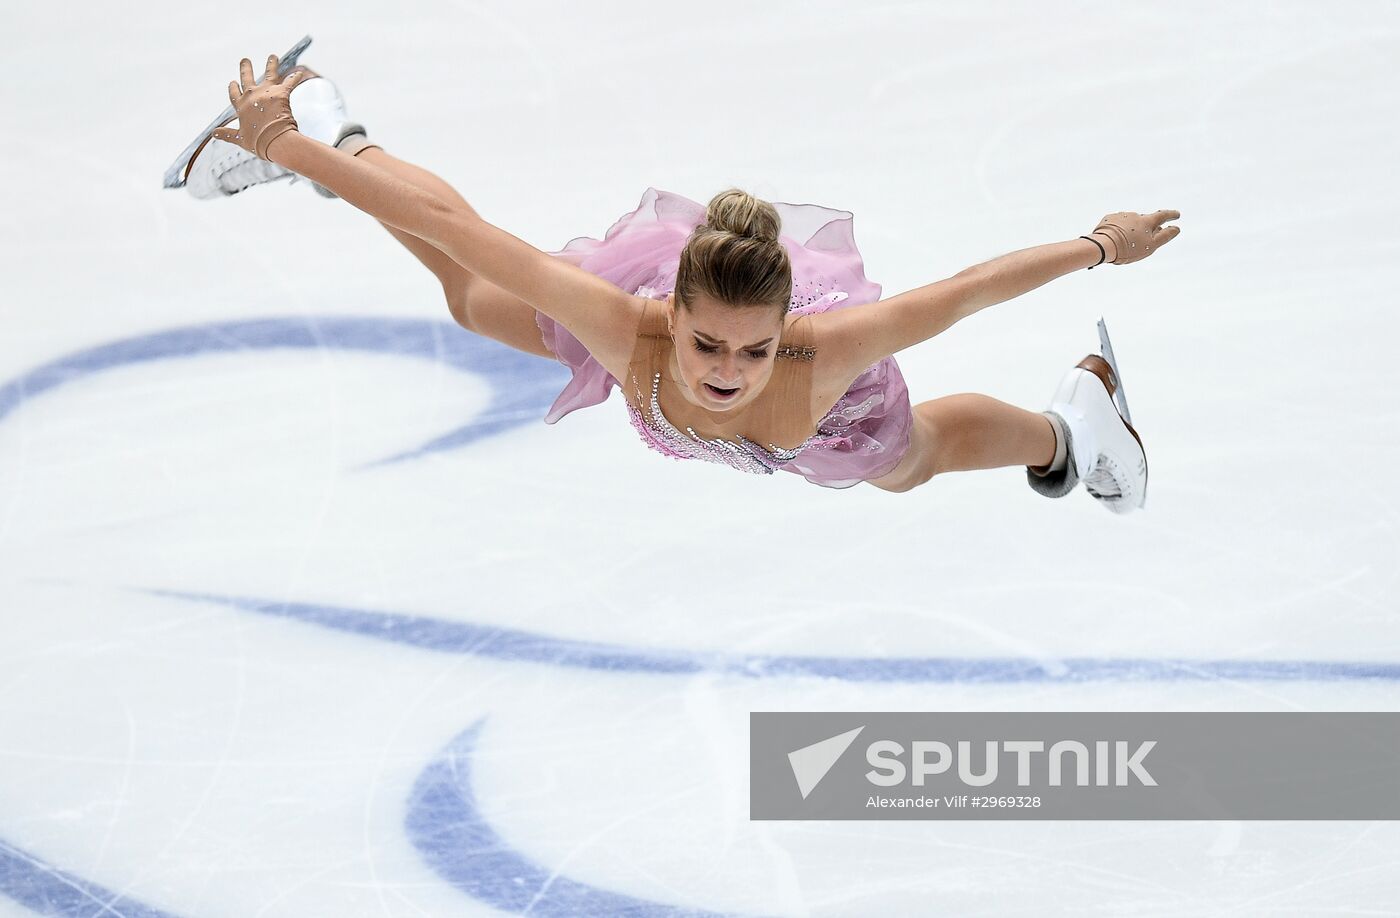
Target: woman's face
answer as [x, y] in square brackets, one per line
[725, 354]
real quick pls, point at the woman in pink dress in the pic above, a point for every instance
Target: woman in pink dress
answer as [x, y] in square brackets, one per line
[743, 332]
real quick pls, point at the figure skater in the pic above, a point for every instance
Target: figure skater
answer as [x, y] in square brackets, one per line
[743, 333]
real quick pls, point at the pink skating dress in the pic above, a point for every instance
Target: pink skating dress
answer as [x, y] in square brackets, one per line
[865, 433]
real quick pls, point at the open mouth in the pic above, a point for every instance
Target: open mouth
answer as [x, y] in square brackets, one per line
[721, 393]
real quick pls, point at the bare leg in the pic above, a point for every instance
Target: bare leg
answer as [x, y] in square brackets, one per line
[477, 304]
[963, 432]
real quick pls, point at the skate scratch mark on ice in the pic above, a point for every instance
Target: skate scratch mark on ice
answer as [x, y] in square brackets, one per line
[368, 823]
[541, 902]
[545, 90]
[220, 766]
[523, 386]
[494, 642]
[46, 890]
[443, 823]
[121, 800]
[446, 826]
[93, 166]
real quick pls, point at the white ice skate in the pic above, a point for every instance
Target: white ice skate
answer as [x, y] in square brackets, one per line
[212, 168]
[1102, 447]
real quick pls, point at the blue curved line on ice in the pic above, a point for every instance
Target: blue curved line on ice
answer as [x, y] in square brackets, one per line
[46, 890]
[522, 386]
[447, 828]
[495, 642]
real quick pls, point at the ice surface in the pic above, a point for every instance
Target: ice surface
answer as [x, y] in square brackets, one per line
[304, 612]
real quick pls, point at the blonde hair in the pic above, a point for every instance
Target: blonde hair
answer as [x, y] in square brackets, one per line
[735, 256]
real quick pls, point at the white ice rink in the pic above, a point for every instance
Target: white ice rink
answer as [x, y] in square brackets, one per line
[305, 612]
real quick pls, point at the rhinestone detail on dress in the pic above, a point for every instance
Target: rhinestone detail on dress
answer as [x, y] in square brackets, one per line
[797, 352]
[664, 437]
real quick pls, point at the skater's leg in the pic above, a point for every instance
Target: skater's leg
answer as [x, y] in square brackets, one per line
[964, 432]
[475, 303]
[447, 271]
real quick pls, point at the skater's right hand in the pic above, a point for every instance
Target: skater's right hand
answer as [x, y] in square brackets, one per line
[1135, 236]
[264, 109]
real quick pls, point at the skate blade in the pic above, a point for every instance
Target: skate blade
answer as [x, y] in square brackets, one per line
[1118, 395]
[175, 175]
[1122, 400]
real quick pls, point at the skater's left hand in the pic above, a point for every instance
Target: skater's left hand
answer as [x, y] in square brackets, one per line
[1136, 236]
[264, 109]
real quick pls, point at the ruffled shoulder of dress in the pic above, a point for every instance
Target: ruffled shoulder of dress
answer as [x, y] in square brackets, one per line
[820, 242]
[812, 226]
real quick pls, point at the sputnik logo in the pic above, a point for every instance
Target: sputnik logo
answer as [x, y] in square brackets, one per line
[811, 763]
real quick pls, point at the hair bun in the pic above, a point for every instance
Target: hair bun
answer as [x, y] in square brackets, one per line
[736, 211]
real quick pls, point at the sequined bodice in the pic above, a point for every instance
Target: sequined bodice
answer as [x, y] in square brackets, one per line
[659, 433]
[745, 455]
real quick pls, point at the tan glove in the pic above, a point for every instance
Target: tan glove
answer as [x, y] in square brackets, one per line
[1135, 236]
[264, 109]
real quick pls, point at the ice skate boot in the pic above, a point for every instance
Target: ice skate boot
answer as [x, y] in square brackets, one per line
[179, 170]
[218, 168]
[1098, 444]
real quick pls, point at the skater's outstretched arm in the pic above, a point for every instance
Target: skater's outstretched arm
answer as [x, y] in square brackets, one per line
[584, 303]
[856, 338]
[598, 313]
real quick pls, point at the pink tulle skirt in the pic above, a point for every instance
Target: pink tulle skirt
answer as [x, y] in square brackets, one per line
[865, 433]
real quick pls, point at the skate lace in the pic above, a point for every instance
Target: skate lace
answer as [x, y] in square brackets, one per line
[1103, 482]
[240, 171]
